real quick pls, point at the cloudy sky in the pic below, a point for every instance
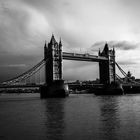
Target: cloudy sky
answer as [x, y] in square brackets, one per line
[83, 25]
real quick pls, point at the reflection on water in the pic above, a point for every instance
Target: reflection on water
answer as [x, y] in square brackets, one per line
[82, 117]
[55, 118]
[109, 117]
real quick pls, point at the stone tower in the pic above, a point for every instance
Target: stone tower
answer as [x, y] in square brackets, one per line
[53, 60]
[107, 68]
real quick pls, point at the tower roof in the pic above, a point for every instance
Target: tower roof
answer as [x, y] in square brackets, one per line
[60, 43]
[53, 41]
[105, 50]
[45, 44]
[106, 46]
[99, 52]
[113, 50]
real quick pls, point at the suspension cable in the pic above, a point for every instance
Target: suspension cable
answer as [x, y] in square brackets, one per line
[25, 73]
[34, 72]
[122, 71]
[125, 74]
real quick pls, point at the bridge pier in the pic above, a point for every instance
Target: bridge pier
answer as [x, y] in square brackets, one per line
[54, 85]
[110, 89]
[56, 89]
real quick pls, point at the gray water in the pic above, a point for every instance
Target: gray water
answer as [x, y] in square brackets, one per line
[82, 117]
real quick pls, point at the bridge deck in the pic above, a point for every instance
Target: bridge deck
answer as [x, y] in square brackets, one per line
[38, 85]
[70, 84]
[20, 86]
[83, 57]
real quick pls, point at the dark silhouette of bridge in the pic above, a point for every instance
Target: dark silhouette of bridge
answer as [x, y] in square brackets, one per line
[52, 62]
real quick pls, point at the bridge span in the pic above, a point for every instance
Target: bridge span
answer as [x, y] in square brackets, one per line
[52, 64]
[83, 57]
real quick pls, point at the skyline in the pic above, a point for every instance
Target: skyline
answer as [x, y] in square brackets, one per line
[84, 26]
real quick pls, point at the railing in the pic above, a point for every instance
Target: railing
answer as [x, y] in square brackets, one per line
[83, 57]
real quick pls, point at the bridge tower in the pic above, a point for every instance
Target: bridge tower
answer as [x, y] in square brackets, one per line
[107, 68]
[53, 59]
[54, 85]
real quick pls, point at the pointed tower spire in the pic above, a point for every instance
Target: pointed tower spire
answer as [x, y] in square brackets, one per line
[99, 53]
[106, 46]
[45, 46]
[53, 41]
[45, 51]
[113, 50]
[60, 43]
[106, 49]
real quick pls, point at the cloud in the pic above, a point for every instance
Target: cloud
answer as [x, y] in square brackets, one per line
[126, 62]
[121, 45]
[14, 65]
[92, 21]
[81, 71]
[124, 45]
[26, 24]
[23, 28]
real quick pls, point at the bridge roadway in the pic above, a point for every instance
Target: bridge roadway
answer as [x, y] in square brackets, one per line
[38, 85]
[20, 86]
[83, 57]
[70, 85]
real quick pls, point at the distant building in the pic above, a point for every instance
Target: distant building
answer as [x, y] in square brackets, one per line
[129, 77]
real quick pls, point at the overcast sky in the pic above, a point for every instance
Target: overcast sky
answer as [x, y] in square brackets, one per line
[83, 25]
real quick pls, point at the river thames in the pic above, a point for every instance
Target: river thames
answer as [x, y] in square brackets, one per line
[79, 116]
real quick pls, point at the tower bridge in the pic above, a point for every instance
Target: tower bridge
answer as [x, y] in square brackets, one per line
[53, 56]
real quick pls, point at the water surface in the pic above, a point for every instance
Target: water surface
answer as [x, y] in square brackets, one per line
[82, 117]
